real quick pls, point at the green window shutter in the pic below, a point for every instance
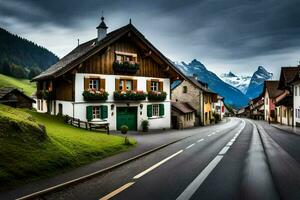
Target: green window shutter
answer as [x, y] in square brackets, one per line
[161, 109]
[149, 110]
[104, 112]
[89, 113]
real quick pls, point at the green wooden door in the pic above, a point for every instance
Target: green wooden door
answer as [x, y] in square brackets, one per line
[127, 116]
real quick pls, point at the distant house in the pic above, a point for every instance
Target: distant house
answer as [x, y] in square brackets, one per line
[270, 92]
[15, 98]
[284, 102]
[256, 107]
[183, 115]
[118, 78]
[296, 97]
[197, 94]
[218, 107]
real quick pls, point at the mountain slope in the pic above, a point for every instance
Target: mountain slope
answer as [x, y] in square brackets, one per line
[233, 96]
[239, 82]
[257, 80]
[19, 57]
[22, 84]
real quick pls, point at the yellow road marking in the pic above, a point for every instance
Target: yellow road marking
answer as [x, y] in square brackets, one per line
[117, 191]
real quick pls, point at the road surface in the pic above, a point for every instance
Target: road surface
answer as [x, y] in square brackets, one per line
[242, 159]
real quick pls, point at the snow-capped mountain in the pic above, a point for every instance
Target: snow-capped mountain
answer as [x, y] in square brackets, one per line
[257, 81]
[239, 82]
[232, 95]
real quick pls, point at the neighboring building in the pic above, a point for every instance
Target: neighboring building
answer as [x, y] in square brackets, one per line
[198, 96]
[122, 64]
[15, 98]
[256, 107]
[270, 92]
[284, 102]
[183, 115]
[218, 107]
[296, 98]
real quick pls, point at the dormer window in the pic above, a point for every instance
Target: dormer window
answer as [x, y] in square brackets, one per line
[126, 57]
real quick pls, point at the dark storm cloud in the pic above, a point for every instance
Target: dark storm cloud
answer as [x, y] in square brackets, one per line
[231, 29]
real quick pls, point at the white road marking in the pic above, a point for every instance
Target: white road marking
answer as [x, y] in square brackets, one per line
[211, 134]
[117, 191]
[196, 183]
[193, 186]
[156, 165]
[199, 140]
[190, 146]
[224, 150]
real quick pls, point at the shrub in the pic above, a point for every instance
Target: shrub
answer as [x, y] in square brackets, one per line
[124, 129]
[157, 96]
[92, 94]
[145, 125]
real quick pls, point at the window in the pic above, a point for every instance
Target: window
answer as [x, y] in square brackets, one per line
[155, 110]
[296, 91]
[125, 85]
[124, 56]
[39, 104]
[154, 86]
[267, 100]
[284, 113]
[96, 112]
[42, 105]
[184, 89]
[94, 84]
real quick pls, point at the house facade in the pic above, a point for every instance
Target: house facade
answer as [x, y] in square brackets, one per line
[296, 98]
[15, 98]
[219, 108]
[198, 96]
[183, 115]
[119, 78]
[270, 92]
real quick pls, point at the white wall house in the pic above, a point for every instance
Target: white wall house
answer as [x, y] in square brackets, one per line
[296, 101]
[122, 61]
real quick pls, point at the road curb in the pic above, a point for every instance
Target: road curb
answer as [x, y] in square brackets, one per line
[89, 176]
[284, 130]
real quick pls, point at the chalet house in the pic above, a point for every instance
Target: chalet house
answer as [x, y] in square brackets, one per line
[183, 115]
[119, 78]
[14, 97]
[284, 102]
[270, 92]
[256, 107]
[296, 98]
[198, 96]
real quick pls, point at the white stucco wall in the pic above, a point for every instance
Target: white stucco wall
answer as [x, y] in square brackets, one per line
[296, 103]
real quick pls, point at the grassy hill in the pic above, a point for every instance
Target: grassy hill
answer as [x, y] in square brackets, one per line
[23, 84]
[28, 153]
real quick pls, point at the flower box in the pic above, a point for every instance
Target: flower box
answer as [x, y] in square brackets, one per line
[157, 96]
[126, 67]
[130, 95]
[95, 95]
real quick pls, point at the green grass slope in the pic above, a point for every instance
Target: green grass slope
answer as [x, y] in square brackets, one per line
[27, 153]
[23, 84]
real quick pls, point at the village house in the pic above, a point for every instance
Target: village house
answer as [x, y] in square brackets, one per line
[284, 102]
[183, 115]
[270, 92]
[119, 78]
[198, 96]
[15, 98]
[256, 107]
[218, 107]
[296, 98]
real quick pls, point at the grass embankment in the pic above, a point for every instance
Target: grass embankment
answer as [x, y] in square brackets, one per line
[27, 153]
[22, 84]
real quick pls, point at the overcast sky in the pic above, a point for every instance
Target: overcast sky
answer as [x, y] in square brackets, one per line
[237, 35]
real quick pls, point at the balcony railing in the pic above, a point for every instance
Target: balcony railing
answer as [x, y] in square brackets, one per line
[126, 67]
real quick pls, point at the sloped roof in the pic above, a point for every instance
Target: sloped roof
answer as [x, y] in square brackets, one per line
[183, 107]
[87, 49]
[7, 90]
[272, 88]
[287, 75]
[198, 84]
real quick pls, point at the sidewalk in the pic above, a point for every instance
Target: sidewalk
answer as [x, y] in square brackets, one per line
[146, 142]
[295, 130]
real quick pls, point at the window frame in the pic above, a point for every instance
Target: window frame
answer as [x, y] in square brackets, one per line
[184, 89]
[155, 110]
[95, 114]
[92, 84]
[123, 84]
[156, 84]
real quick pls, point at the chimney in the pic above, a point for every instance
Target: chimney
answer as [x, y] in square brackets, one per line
[102, 30]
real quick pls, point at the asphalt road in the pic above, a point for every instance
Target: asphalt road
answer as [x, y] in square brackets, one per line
[242, 159]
